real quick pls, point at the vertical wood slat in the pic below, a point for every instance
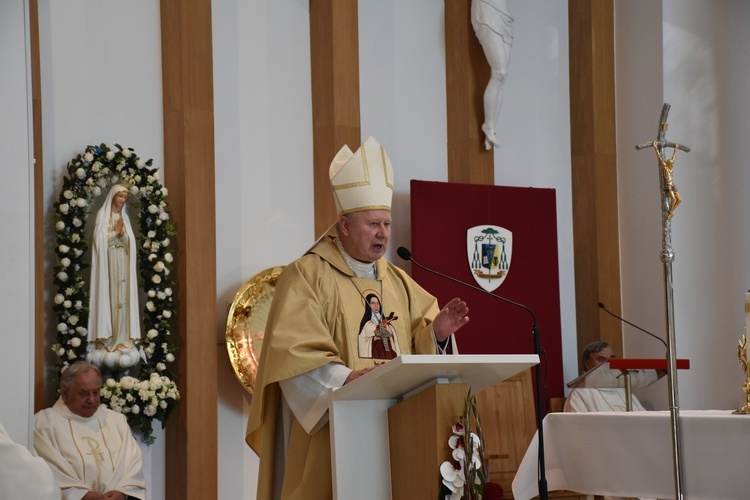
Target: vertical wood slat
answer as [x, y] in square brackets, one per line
[191, 433]
[594, 169]
[334, 58]
[39, 279]
[467, 74]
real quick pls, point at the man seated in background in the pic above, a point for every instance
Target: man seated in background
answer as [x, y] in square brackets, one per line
[89, 447]
[604, 399]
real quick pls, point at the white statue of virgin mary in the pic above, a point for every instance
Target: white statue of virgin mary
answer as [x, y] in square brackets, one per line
[114, 323]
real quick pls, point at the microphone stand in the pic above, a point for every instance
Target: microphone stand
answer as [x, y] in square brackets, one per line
[405, 254]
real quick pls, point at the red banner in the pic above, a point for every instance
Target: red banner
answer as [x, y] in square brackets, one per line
[493, 236]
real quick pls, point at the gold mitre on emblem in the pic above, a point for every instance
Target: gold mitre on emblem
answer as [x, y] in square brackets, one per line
[362, 180]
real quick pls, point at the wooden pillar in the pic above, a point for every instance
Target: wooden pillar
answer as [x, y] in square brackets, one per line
[594, 169]
[39, 218]
[334, 61]
[191, 432]
[466, 76]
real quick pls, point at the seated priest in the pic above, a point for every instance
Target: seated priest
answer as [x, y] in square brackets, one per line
[89, 447]
[604, 398]
[338, 312]
[22, 475]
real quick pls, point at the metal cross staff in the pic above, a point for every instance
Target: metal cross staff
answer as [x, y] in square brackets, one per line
[670, 199]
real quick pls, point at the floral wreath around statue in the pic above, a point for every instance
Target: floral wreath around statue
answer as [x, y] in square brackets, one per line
[146, 391]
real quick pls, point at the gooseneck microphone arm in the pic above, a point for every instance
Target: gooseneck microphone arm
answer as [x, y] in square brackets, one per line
[405, 254]
[602, 306]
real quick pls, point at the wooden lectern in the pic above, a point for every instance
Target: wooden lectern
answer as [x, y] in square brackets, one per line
[625, 373]
[421, 396]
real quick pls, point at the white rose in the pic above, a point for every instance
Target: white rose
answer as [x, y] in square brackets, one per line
[63, 248]
[128, 382]
[126, 153]
[110, 155]
[64, 207]
[61, 352]
[158, 222]
[161, 295]
[75, 342]
[82, 202]
[164, 216]
[73, 320]
[65, 261]
[88, 157]
[157, 176]
[67, 304]
[77, 222]
[167, 314]
[62, 276]
[134, 190]
[159, 266]
[60, 225]
[62, 327]
[96, 166]
[152, 256]
[152, 333]
[111, 383]
[59, 298]
[77, 252]
[168, 291]
[151, 234]
[150, 306]
[81, 330]
[170, 357]
[75, 237]
[151, 293]
[161, 367]
[168, 257]
[135, 409]
[68, 194]
[80, 173]
[97, 191]
[147, 244]
[156, 278]
[71, 354]
[153, 209]
[164, 191]
[165, 242]
[78, 305]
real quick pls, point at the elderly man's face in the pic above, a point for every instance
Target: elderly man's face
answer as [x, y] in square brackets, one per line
[365, 235]
[84, 395]
[599, 358]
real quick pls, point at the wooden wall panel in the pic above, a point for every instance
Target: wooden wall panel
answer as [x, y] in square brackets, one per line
[594, 169]
[191, 433]
[467, 73]
[334, 61]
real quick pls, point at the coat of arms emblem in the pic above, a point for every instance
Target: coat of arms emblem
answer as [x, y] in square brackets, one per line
[489, 250]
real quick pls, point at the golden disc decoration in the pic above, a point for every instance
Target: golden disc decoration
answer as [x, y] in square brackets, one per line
[246, 324]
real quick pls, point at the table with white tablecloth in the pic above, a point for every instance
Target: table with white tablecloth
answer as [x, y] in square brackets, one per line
[630, 454]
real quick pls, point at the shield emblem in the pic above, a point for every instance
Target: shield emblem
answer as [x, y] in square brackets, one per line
[489, 250]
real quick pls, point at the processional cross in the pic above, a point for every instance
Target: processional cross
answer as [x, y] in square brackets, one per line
[670, 199]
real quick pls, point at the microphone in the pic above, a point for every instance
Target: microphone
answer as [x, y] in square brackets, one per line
[602, 306]
[405, 254]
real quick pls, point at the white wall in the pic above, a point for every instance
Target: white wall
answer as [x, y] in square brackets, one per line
[16, 224]
[692, 55]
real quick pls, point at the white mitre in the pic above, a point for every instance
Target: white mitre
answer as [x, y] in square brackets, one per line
[362, 180]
